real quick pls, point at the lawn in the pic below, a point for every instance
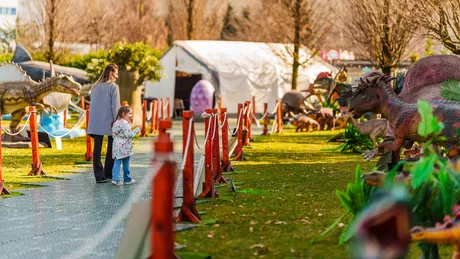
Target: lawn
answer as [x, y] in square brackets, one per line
[286, 198]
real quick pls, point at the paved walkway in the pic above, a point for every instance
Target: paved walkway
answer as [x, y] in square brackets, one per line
[53, 221]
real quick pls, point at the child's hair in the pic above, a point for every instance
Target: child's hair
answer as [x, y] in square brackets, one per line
[122, 111]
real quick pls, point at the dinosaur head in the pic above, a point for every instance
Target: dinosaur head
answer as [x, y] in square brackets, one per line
[65, 84]
[382, 229]
[367, 96]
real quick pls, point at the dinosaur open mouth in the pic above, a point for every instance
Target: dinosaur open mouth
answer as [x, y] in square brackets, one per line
[387, 230]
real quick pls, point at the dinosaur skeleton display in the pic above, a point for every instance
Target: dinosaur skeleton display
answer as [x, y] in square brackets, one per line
[18, 91]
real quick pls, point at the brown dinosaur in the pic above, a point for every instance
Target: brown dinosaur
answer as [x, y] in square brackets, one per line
[377, 95]
[371, 128]
[325, 118]
[447, 233]
[16, 97]
[304, 122]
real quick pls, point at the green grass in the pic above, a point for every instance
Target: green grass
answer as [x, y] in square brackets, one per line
[288, 198]
[17, 162]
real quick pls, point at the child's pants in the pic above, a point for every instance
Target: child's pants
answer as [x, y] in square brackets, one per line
[116, 170]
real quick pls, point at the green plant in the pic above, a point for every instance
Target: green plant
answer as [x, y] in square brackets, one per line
[354, 141]
[451, 90]
[6, 57]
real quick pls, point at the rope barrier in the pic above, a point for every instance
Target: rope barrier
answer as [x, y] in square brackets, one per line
[182, 166]
[79, 122]
[223, 122]
[93, 243]
[207, 115]
[276, 107]
[17, 133]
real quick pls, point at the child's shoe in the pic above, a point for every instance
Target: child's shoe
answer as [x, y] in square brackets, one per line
[131, 182]
[117, 183]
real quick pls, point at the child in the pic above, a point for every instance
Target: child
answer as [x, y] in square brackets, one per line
[123, 145]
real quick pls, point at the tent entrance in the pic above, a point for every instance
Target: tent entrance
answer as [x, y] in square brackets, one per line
[184, 85]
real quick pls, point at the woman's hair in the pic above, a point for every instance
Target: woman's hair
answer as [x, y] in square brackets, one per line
[105, 76]
[122, 111]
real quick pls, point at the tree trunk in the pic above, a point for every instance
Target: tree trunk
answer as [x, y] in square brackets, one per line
[131, 93]
[295, 55]
[190, 20]
[51, 36]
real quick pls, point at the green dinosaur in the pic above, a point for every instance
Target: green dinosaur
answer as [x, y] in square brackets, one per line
[17, 96]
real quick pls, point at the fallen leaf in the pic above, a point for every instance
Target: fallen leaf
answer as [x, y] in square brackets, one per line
[305, 221]
[341, 225]
[331, 172]
[299, 194]
[319, 214]
[305, 203]
[268, 222]
[211, 234]
[292, 250]
[257, 246]
[251, 229]
[253, 222]
[279, 222]
[216, 225]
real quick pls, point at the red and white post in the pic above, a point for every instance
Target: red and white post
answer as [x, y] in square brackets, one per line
[239, 155]
[144, 119]
[188, 210]
[208, 185]
[3, 190]
[89, 150]
[162, 241]
[226, 167]
[37, 167]
[265, 130]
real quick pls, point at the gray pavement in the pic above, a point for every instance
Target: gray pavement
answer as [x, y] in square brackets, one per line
[53, 221]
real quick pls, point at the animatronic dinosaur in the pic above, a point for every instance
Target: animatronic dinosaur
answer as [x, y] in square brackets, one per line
[16, 96]
[303, 122]
[382, 229]
[371, 128]
[447, 233]
[377, 95]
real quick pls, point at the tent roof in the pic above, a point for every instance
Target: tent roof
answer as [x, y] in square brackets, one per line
[239, 57]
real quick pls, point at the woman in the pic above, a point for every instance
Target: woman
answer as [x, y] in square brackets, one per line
[105, 102]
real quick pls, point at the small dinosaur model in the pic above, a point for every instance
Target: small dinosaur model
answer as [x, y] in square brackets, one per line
[324, 116]
[447, 233]
[16, 96]
[377, 178]
[371, 128]
[377, 95]
[304, 122]
[381, 230]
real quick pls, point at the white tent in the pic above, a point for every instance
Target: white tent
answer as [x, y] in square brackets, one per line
[238, 71]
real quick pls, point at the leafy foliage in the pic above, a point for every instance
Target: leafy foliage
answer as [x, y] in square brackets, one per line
[355, 141]
[5, 57]
[138, 57]
[451, 90]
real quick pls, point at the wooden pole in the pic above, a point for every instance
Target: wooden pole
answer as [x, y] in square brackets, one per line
[279, 117]
[3, 190]
[37, 168]
[65, 118]
[246, 122]
[188, 210]
[144, 119]
[217, 169]
[265, 130]
[226, 167]
[162, 105]
[168, 108]
[89, 150]
[208, 185]
[253, 109]
[154, 112]
[162, 241]
[239, 155]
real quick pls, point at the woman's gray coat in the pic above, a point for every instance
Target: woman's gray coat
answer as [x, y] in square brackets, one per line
[104, 105]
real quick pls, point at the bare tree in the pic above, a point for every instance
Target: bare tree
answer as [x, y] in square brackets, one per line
[55, 21]
[439, 19]
[298, 23]
[196, 19]
[380, 29]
